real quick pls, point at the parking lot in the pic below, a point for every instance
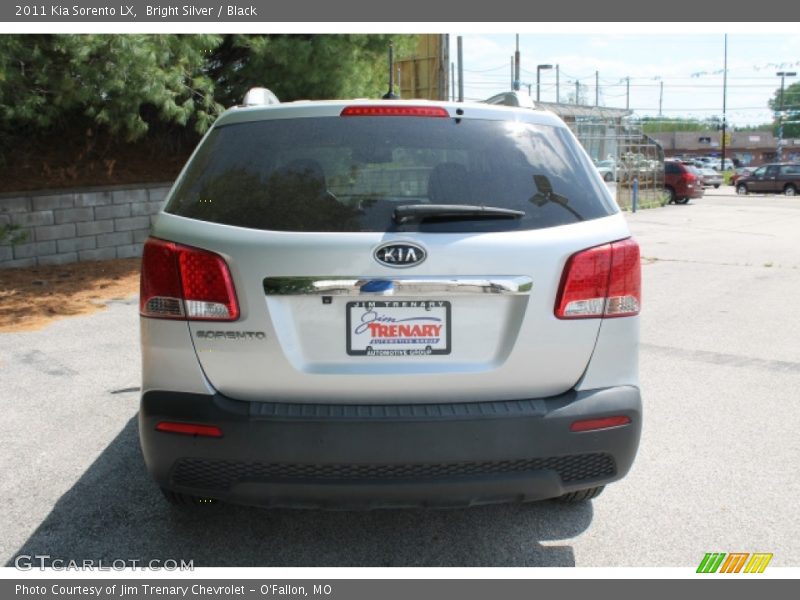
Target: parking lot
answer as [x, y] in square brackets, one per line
[716, 470]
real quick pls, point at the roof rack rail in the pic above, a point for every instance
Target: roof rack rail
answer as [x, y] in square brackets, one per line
[515, 98]
[259, 96]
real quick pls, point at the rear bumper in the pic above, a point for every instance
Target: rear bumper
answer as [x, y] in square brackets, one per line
[319, 455]
[697, 191]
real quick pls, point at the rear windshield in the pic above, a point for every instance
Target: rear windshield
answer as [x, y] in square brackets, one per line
[351, 173]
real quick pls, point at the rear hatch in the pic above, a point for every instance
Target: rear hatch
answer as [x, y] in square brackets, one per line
[392, 257]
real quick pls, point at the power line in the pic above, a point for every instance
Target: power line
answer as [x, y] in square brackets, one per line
[696, 86]
[717, 109]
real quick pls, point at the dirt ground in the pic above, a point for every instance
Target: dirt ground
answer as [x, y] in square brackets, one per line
[35, 297]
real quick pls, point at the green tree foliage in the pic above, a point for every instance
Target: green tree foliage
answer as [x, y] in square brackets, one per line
[791, 108]
[123, 83]
[311, 67]
[761, 127]
[116, 81]
[652, 125]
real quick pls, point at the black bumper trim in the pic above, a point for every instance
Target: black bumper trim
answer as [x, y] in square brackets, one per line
[312, 454]
[500, 409]
[224, 474]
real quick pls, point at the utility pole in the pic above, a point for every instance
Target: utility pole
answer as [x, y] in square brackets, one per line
[453, 80]
[627, 93]
[512, 72]
[782, 75]
[577, 91]
[516, 66]
[597, 88]
[660, 97]
[558, 89]
[460, 69]
[390, 95]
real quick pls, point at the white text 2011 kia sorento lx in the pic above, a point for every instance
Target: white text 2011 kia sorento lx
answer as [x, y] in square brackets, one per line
[389, 303]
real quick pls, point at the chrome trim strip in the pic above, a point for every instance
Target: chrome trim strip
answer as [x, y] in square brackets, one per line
[514, 285]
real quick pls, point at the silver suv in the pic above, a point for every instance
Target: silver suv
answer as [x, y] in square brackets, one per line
[389, 303]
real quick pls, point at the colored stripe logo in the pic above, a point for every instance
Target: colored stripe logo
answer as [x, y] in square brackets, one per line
[734, 562]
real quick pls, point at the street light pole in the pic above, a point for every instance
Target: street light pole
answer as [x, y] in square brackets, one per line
[783, 75]
[724, 102]
[558, 88]
[539, 69]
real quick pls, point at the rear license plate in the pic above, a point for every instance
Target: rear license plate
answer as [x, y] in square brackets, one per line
[398, 327]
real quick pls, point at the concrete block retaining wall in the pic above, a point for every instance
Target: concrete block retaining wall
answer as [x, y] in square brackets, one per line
[79, 225]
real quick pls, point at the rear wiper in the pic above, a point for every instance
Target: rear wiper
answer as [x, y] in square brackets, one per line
[546, 194]
[452, 212]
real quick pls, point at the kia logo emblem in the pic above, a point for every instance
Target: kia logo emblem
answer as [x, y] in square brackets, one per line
[400, 254]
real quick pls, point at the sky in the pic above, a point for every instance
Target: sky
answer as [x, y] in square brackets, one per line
[690, 66]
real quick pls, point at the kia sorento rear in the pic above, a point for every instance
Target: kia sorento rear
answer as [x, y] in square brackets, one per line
[382, 304]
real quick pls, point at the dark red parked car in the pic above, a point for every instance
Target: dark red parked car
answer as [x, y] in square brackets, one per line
[776, 178]
[681, 182]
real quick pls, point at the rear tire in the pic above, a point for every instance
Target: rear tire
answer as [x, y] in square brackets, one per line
[716, 186]
[790, 190]
[681, 200]
[671, 193]
[581, 495]
[187, 501]
[741, 189]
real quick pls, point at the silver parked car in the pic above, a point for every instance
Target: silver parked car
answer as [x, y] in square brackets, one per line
[389, 303]
[605, 171]
[710, 177]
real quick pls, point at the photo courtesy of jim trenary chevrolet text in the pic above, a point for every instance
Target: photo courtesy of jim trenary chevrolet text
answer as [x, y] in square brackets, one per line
[341, 300]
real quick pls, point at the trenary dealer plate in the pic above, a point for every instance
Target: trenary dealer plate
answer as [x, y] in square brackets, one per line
[398, 327]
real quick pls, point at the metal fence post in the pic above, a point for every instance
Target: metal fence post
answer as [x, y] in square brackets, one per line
[635, 199]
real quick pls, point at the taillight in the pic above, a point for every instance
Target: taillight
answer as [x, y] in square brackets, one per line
[181, 282]
[393, 111]
[689, 177]
[160, 293]
[604, 281]
[624, 295]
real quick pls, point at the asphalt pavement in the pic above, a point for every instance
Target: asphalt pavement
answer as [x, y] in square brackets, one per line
[716, 470]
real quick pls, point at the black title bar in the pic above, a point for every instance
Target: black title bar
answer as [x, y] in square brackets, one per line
[329, 11]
